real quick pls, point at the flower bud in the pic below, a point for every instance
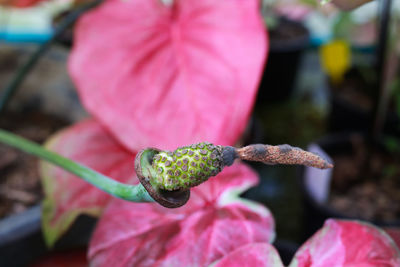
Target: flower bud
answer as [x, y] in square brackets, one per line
[187, 166]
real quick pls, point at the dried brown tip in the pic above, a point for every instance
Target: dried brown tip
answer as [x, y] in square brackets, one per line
[144, 171]
[282, 154]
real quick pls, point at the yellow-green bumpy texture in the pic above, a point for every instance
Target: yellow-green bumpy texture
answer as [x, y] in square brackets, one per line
[187, 166]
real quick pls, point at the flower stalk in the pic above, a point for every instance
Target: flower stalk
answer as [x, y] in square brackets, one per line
[167, 176]
[134, 193]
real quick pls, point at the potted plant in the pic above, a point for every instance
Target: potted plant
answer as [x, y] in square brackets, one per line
[46, 103]
[111, 131]
[133, 109]
[364, 182]
[288, 41]
[42, 107]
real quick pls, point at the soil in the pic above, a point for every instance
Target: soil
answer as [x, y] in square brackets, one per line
[366, 184]
[19, 177]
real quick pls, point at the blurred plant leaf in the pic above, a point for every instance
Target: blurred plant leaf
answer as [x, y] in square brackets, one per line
[214, 222]
[172, 75]
[67, 196]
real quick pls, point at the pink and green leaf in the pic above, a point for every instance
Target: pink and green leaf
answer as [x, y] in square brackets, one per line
[67, 196]
[197, 234]
[170, 75]
[394, 233]
[348, 243]
[340, 243]
[251, 255]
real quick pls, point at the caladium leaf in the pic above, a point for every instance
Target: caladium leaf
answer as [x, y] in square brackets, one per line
[170, 75]
[33, 3]
[251, 255]
[347, 244]
[19, 3]
[67, 196]
[213, 223]
[394, 233]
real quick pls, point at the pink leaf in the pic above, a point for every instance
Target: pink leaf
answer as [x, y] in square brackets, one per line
[68, 196]
[394, 233]
[19, 3]
[170, 75]
[213, 223]
[252, 255]
[348, 243]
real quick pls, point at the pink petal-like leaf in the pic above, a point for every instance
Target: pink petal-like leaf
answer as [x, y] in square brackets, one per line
[252, 255]
[201, 232]
[170, 75]
[342, 243]
[19, 3]
[394, 233]
[67, 196]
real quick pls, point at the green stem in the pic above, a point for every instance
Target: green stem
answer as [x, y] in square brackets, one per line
[134, 193]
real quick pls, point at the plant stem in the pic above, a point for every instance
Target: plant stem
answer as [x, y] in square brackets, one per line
[382, 94]
[134, 193]
[11, 88]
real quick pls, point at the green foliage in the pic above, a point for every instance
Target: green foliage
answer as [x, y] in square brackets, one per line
[395, 88]
[323, 2]
[342, 27]
[313, 3]
[392, 144]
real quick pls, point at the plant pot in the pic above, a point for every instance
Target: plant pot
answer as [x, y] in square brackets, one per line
[21, 238]
[287, 44]
[351, 105]
[347, 117]
[351, 102]
[316, 183]
[44, 103]
[286, 250]
[344, 116]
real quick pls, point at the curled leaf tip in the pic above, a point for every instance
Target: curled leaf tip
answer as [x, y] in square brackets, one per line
[148, 177]
[282, 154]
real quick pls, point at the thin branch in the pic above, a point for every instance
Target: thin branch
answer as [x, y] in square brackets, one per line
[382, 93]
